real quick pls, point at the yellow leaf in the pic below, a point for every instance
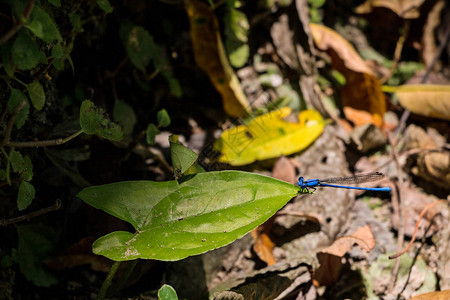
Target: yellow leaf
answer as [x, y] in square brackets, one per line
[269, 136]
[424, 99]
[211, 57]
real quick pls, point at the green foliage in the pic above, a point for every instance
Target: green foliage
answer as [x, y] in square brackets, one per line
[236, 36]
[43, 26]
[153, 130]
[35, 244]
[25, 52]
[182, 157]
[140, 47]
[7, 59]
[163, 118]
[26, 195]
[151, 133]
[56, 3]
[105, 5]
[166, 292]
[21, 165]
[176, 219]
[37, 94]
[125, 116]
[94, 121]
[15, 99]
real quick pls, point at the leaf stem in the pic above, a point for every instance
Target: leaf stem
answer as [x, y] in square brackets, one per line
[123, 279]
[102, 293]
[46, 143]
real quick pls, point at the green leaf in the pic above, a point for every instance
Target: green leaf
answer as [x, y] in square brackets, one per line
[57, 51]
[7, 60]
[140, 47]
[177, 219]
[105, 5]
[21, 165]
[163, 118]
[94, 121]
[236, 37]
[152, 132]
[125, 116]
[182, 158]
[166, 292]
[36, 243]
[37, 94]
[56, 3]
[25, 195]
[15, 99]
[43, 26]
[25, 53]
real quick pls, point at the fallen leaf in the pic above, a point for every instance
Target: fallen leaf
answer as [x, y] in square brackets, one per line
[330, 258]
[284, 169]
[441, 295]
[404, 9]
[269, 136]
[362, 90]
[210, 56]
[429, 50]
[424, 99]
[263, 245]
[433, 166]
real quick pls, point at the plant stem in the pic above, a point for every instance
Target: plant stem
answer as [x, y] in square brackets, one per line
[46, 143]
[19, 24]
[55, 206]
[123, 279]
[102, 293]
[8, 178]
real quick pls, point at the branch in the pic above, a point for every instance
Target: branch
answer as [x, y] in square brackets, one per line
[11, 123]
[37, 213]
[19, 24]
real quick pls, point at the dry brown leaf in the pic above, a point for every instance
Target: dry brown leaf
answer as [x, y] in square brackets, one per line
[407, 9]
[424, 99]
[210, 56]
[284, 170]
[429, 49]
[362, 90]
[263, 245]
[441, 295]
[330, 258]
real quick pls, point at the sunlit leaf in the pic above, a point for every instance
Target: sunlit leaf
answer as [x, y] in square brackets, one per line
[94, 121]
[37, 94]
[177, 219]
[210, 56]
[269, 136]
[236, 32]
[43, 26]
[362, 90]
[25, 195]
[424, 99]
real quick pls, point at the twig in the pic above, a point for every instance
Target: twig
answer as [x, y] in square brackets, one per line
[19, 24]
[46, 143]
[398, 51]
[31, 215]
[10, 125]
[422, 213]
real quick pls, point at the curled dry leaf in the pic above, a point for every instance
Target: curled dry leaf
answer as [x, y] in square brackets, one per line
[330, 258]
[424, 99]
[404, 9]
[211, 57]
[362, 90]
[429, 49]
